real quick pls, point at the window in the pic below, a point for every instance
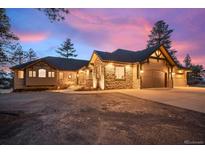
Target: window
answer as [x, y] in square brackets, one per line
[51, 74]
[32, 73]
[60, 75]
[119, 72]
[20, 74]
[41, 73]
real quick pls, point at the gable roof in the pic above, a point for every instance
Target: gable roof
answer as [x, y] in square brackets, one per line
[58, 63]
[121, 55]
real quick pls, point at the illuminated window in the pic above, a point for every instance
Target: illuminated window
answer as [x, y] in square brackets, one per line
[119, 72]
[60, 75]
[20, 74]
[41, 73]
[51, 74]
[32, 73]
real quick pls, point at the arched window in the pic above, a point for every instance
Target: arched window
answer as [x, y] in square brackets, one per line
[41, 73]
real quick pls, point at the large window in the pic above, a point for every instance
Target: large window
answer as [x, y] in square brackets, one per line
[42, 73]
[119, 72]
[32, 73]
[51, 74]
[20, 74]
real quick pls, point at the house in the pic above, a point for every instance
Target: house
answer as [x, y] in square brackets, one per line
[120, 69]
[48, 73]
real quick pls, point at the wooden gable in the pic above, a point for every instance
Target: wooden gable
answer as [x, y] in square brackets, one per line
[94, 57]
[157, 54]
[162, 53]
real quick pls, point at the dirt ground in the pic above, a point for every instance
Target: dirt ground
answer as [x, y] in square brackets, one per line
[103, 118]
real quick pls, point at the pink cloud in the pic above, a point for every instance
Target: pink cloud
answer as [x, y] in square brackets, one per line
[110, 31]
[32, 37]
[185, 46]
[198, 60]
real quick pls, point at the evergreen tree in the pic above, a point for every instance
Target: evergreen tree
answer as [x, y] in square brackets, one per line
[31, 55]
[55, 14]
[67, 50]
[187, 61]
[7, 38]
[19, 56]
[161, 35]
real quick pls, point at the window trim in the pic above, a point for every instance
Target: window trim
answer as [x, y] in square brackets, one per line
[124, 77]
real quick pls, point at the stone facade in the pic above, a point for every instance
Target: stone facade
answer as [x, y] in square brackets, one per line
[98, 71]
[110, 79]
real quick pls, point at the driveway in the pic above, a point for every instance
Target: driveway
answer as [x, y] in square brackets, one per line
[95, 118]
[191, 98]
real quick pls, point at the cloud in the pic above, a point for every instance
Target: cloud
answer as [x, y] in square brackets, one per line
[109, 32]
[31, 37]
[185, 46]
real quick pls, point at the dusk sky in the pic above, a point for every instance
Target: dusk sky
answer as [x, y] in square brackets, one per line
[110, 29]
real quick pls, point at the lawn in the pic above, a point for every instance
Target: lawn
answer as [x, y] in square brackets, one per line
[101, 118]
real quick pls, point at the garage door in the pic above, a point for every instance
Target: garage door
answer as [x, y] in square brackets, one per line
[153, 79]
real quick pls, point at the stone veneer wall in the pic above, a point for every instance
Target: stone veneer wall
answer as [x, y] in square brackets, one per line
[112, 83]
[98, 74]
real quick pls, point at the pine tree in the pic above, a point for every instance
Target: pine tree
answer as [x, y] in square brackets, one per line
[19, 56]
[161, 35]
[67, 50]
[31, 55]
[7, 38]
[187, 61]
[55, 14]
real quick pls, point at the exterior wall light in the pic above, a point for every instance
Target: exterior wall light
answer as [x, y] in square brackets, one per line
[141, 71]
[180, 71]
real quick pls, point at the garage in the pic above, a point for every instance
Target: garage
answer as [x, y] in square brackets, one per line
[153, 79]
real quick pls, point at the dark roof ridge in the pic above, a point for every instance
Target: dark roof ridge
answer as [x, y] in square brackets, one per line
[57, 62]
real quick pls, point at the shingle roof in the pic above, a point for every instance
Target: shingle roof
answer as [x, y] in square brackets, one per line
[122, 55]
[58, 63]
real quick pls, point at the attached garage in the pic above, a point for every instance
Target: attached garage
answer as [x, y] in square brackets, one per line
[153, 79]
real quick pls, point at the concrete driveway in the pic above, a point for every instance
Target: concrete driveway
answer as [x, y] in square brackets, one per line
[191, 98]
